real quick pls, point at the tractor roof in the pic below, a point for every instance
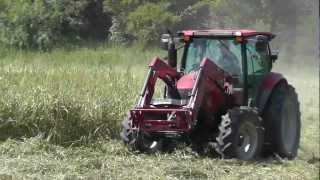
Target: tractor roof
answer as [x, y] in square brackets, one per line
[226, 33]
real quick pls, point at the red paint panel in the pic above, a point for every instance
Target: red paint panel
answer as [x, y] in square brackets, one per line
[163, 68]
[217, 99]
[271, 80]
[155, 126]
[186, 81]
[180, 123]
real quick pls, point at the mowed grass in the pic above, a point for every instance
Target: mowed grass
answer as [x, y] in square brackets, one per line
[60, 115]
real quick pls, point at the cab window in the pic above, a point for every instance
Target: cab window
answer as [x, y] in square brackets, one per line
[223, 52]
[258, 56]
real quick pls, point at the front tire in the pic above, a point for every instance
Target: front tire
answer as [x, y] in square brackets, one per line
[138, 141]
[240, 134]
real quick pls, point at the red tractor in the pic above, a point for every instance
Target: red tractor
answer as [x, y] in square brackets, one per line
[223, 95]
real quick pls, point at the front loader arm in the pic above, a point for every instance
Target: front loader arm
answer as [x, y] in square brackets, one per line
[158, 69]
[210, 77]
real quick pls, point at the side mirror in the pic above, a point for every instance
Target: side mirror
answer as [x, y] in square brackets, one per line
[261, 44]
[165, 39]
[168, 44]
[274, 56]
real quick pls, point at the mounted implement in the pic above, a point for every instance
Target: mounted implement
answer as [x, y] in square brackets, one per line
[223, 94]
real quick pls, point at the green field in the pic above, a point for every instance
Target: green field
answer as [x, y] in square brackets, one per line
[60, 115]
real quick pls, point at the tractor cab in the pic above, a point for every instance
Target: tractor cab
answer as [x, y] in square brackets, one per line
[244, 54]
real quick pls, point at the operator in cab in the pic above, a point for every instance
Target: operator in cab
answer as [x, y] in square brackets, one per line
[219, 51]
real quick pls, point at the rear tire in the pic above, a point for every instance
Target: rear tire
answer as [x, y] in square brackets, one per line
[240, 134]
[282, 121]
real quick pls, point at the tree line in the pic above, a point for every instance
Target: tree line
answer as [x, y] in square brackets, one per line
[44, 24]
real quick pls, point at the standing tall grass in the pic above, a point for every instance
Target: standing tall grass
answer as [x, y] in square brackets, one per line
[70, 97]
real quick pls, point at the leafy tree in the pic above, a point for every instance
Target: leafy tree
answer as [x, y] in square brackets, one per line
[120, 10]
[22, 28]
[149, 20]
[145, 20]
[43, 23]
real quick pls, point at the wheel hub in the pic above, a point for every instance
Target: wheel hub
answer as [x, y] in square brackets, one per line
[247, 140]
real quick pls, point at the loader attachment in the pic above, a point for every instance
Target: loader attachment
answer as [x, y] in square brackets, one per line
[177, 115]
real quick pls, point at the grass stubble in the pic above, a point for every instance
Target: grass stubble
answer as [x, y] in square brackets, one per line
[60, 115]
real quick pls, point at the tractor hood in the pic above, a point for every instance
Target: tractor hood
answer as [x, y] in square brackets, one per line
[187, 81]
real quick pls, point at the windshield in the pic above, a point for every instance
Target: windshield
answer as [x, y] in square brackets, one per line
[224, 52]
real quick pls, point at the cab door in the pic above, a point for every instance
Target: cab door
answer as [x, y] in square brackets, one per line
[258, 64]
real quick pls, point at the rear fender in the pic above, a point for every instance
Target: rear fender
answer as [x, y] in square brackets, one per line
[269, 83]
